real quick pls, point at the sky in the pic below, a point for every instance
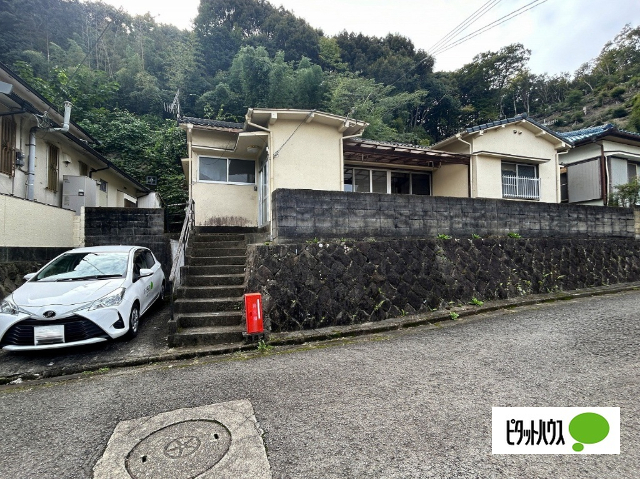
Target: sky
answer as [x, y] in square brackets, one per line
[561, 34]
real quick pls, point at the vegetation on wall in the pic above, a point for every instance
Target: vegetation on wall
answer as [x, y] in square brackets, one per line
[121, 70]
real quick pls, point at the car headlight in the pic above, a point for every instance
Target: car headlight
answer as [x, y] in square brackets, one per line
[112, 299]
[9, 307]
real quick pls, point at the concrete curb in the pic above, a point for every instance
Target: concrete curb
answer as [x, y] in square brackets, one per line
[333, 332]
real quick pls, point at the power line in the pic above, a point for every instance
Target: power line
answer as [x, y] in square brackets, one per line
[490, 26]
[462, 26]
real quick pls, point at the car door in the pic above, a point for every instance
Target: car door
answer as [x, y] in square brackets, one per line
[158, 275]
[142, 285]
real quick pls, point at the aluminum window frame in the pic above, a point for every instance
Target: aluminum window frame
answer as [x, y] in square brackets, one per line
[228, 161]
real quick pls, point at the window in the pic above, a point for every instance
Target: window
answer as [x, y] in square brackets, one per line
[103, 185]
[148, 258]
[520, 181]
[227, 170]
[7, 145]
[83, 169]
[52, 176]
[632, 170]
[379, 181]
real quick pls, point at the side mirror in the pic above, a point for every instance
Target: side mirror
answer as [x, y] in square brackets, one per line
[27, 277]
[145, 272]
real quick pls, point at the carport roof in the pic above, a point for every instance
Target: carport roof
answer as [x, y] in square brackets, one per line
[399, 154]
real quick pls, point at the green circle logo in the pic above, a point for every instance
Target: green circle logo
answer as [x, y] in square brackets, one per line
[588, 428]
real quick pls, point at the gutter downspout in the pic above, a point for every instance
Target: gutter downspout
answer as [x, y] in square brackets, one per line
[459, 138]
[604, 181]
[31, 175]
[558, 182]
[270, 160]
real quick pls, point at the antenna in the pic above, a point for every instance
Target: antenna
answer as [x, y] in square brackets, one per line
[174, 106]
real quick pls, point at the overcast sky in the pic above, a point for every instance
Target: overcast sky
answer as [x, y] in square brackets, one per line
[562, 34]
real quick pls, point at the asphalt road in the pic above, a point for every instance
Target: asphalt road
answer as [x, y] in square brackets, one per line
[412, 403]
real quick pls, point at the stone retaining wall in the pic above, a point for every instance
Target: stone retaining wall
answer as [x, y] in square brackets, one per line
[306, 214]
[306, 286]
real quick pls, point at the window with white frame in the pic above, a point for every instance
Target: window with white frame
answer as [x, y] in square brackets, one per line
[633, 170]
[363, 180]
[227, 170]
[520, 180]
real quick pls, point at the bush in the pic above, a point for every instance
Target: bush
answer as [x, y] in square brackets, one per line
[618, 112]
[626, 195]
[574, 97]
[617, 93]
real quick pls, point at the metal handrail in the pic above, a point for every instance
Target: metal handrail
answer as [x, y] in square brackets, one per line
[175, 278]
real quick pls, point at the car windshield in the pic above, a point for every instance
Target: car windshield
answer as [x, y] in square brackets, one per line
[85, 266]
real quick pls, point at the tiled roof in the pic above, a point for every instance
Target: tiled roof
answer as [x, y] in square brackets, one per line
[515, 119]
[596, 132]
[213, 123]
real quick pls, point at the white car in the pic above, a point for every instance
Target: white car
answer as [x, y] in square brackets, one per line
[84, 296]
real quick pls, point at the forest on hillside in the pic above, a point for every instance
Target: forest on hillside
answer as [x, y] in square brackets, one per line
[121, 70]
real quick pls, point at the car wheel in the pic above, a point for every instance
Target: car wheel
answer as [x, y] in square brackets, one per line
[134, 322]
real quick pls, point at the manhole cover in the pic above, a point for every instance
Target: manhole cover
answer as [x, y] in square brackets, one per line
[183, 450]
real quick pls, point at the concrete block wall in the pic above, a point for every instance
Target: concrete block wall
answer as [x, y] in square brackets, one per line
[305, 214]
[129, 226]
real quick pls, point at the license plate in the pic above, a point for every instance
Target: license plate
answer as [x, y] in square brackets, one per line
[48, 334]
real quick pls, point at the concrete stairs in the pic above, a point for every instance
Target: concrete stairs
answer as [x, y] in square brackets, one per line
[208, 307]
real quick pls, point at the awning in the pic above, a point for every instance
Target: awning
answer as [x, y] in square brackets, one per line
[358, 150]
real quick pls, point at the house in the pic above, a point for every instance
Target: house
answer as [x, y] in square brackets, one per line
[233, 168]
[514, 159]
[602, 158]
[47, 158]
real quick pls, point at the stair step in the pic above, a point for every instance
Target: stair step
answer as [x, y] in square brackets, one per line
[216, 260]
[194, 279]
[214, 280]
[216, 252]
[206, 238]
[225, 230]
[208, 335]
[206, 305]
[198, 320]
[218, 291]
[216, 244]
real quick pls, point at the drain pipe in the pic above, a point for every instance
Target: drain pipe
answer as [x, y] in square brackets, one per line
[31, 174]
[459, 138]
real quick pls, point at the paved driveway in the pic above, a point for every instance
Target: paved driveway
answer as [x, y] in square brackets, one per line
[413, 403]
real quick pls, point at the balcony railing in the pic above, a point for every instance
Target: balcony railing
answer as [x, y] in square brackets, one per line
[520, 187]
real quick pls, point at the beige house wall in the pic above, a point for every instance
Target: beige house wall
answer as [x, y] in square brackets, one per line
[69, 158]
[611, 147]
[29, 224]
[584, 152]
[219, 204]
[310, 159]
[521, 143]
[512, 140]
[451, 180]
